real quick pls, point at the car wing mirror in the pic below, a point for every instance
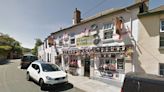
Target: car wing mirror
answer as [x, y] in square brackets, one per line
[38, 71]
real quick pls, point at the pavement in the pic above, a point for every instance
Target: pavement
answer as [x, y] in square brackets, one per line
[90, 85]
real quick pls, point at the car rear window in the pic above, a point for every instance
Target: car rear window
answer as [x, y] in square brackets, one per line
[49, 67]
[29, 58]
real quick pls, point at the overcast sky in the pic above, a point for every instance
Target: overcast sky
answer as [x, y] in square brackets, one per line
[26, 20]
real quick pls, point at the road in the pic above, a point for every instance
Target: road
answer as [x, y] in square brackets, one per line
[13, 79]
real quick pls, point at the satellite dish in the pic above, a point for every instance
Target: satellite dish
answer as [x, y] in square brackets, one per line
[96, 41]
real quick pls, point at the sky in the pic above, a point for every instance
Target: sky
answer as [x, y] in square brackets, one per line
[26, 20]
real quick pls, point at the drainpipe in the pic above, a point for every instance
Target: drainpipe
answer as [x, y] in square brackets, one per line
[131, 25]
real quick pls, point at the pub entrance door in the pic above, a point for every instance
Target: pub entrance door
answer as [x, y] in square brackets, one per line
[87, 67]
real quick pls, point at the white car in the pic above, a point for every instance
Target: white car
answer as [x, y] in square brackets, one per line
[45, 73]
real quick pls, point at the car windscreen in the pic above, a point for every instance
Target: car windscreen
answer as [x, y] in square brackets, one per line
[49, 67]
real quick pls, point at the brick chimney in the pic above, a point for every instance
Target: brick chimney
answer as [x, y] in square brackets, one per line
[76, 17]
[144, 7]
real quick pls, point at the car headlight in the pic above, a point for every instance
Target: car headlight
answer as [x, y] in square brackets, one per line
[49, 78]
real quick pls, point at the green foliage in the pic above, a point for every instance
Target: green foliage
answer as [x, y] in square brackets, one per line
[26, 50]
[37, 44]
[4, 50]
[9, 45]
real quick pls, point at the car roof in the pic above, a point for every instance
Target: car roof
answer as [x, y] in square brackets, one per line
[145, 77]
[29, 55]
[40, 62]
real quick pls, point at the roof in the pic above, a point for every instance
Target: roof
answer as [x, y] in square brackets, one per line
[99, 15]
[158, 10]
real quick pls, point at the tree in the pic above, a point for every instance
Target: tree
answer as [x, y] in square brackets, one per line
[9, 47]
[38, 42]
[26, 50]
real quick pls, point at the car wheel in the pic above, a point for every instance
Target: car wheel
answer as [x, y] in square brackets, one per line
[28, 77]
[41, 83]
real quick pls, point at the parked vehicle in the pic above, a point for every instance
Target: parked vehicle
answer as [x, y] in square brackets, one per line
[45, 73]
[27, 60]
[137, 82]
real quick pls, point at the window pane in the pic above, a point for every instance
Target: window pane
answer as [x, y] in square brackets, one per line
[33, 65]
[161, 38]
[161, 71]
[108, 34]
[161, 43]
[108, 26]
[162, 27]
[162, 66]
[49, 67]
[162, 23]
[72, 41]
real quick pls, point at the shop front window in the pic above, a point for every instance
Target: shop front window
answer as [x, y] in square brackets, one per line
[120, 65]
[73, 65]
[107, 67]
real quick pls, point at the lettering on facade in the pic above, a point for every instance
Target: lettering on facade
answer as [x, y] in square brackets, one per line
[85, 41]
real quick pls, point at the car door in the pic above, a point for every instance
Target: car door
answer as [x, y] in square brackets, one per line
[32, 71]
[37, 72]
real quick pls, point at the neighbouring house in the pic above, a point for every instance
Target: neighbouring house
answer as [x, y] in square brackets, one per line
[101, 47]
[150, 45]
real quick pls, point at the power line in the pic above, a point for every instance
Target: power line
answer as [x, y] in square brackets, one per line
[94, 7]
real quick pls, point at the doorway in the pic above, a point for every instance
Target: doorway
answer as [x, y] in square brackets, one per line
[87, 67]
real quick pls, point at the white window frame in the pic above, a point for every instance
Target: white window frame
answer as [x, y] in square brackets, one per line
[161, 25]
[105, 31]
[71, 39]
[111, 26]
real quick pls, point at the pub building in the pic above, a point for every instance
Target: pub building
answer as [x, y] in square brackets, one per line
[99, 47]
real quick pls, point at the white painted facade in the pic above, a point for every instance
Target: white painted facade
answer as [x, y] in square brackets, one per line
[130, 37]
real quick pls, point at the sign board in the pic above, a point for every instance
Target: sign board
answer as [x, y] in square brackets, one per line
[85, 41]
